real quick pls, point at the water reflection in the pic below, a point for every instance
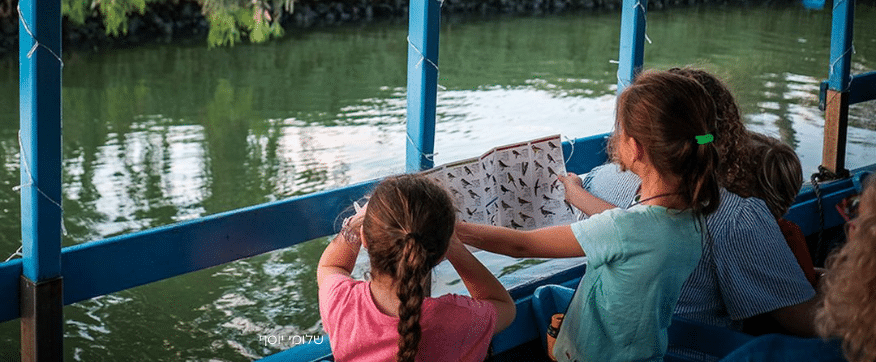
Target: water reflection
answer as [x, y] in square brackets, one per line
[162, 134]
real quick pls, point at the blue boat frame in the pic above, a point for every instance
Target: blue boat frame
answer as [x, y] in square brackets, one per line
[48, 275]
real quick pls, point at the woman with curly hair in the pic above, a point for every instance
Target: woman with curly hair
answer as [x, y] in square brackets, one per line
[746, 269]
[849, 309]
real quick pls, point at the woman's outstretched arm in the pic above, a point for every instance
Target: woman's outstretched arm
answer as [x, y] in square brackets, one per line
[580, 198]
[550, 242]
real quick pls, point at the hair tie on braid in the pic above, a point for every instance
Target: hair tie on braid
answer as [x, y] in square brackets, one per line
[706, 138]
[415, 236]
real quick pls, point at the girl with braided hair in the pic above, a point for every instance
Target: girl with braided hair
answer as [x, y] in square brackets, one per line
[407, 228]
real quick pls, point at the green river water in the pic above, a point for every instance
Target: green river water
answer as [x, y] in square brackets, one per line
[166, 133]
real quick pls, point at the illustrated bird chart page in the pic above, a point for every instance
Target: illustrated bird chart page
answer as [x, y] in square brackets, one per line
[513, 186]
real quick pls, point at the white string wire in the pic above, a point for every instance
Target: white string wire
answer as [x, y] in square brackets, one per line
[36, 43]
[428, 156]
[572, 151]
[833, 63]
[16, 253]
[422, 58]
[31, 180]
[644, 17]
[621, 81]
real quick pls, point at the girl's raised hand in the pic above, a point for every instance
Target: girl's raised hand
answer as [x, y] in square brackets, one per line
[340, 257]
[352, 224]
[360, 213]
[571, 183]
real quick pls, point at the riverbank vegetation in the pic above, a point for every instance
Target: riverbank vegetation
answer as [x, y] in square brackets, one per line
[95, 24]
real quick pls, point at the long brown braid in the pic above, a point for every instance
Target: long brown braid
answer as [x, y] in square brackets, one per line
[407, 228]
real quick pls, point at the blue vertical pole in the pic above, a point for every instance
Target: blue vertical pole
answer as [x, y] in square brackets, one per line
[40, 135]
[632, 42]
[842, 26]
[423, 28]
[836, 116]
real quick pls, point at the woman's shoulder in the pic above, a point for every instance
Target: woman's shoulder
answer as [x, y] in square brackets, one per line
[735, 212]
[734, 204]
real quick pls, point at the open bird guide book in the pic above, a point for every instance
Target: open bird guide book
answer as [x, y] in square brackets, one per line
[514, 186]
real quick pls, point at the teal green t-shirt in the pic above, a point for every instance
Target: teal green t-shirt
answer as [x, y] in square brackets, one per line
[637, 260]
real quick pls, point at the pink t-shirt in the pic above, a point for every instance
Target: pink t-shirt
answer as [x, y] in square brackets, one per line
[454, 327]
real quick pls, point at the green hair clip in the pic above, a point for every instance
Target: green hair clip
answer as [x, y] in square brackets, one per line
[706, 138]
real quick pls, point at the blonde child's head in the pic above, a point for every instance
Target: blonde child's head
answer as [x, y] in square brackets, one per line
[849, 287]
[407, 228]
[778, 171]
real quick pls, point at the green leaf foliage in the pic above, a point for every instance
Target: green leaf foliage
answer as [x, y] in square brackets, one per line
[115, 14]
[229, 20]
[76, 10]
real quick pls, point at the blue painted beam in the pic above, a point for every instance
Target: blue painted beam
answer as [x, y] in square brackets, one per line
[40, 290]
[126, 261]
[833, 154]
[862, 88]
[40, 137]
[805, 212]
[110, 265]
[632, 42]
[423, 27]
[10, 272]
[842, 27]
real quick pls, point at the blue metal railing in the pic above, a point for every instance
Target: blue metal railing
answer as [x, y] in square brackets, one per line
[861, 88]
